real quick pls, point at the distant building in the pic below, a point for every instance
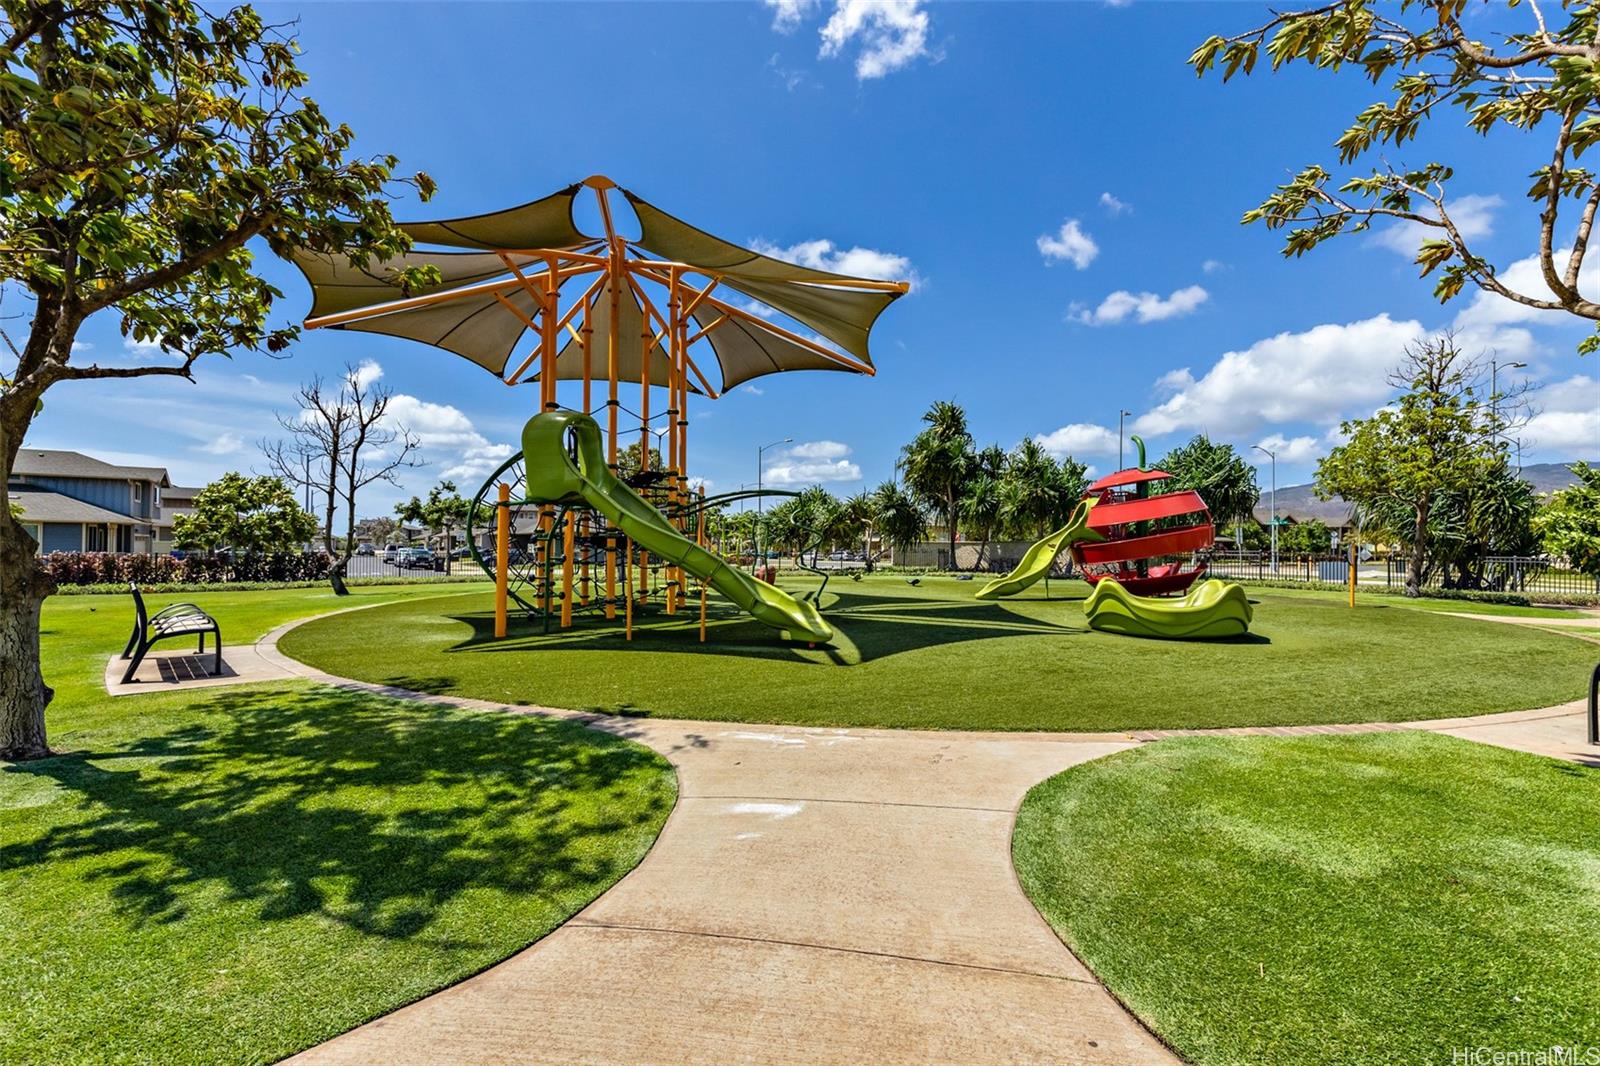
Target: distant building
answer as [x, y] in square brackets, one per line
[175, 500]
[73, 502]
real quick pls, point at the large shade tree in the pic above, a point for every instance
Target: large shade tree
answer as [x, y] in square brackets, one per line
[244, 514]
[147, 145]
[1420, 460]
[1539, 77]
[1569, 524]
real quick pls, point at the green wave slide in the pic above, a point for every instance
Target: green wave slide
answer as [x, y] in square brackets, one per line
[1037, 559]
[561, 472]
[1211, 610]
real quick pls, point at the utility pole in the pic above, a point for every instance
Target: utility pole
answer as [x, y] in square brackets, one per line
[1494, 393]
[1120, 416]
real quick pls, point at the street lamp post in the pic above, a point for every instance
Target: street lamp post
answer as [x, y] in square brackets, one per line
[760, 501]
[1494, 392]
[1120, 416]
[1273, 527]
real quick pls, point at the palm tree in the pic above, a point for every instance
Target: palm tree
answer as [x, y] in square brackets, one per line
[859, 514]
[1219, 474]
[939, 462]
[900, 518]
[981, 509]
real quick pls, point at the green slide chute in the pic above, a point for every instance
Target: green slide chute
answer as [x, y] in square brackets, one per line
[1037, 560]
[1211, 610]
[564, 459]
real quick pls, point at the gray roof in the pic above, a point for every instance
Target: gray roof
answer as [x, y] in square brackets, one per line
[180, 492]
[39, 505]
[43, 462]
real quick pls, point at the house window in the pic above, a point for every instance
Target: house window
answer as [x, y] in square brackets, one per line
[94, 538]
[155, 498]
[34, 530]
[138, 498]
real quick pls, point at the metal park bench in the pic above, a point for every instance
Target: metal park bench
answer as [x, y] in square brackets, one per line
[179, 620]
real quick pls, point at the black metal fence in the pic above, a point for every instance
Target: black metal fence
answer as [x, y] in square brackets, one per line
[1526, 574]
[399, 566]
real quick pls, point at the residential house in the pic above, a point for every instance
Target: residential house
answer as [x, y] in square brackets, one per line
[175, 500]
[73, 502]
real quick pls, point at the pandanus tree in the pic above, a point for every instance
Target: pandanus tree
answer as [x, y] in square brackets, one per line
[939, 462]
[149, 146]
[901, 519]
[1219, 474]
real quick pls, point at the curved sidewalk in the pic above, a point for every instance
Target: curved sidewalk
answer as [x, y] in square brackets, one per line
[817, 895]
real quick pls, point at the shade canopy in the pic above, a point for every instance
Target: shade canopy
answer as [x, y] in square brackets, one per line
[481, 310]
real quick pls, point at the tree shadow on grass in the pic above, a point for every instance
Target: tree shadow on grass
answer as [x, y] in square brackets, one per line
[870, 627]
[371, 812]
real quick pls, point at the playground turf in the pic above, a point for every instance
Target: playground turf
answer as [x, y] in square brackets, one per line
[1387, 897]
[930, 656]
[233, 874]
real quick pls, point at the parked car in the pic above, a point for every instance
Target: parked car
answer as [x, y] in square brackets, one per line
[416, 559]
[460, 552]
[391, 554]
[365, 549]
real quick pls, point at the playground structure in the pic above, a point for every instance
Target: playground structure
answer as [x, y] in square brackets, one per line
[609, 313]
[1137, 528]
[1038, 559]
[1211, 610]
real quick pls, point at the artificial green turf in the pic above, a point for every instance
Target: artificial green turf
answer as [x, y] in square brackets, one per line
[930, 656]
[1379, 898]
[230, 875]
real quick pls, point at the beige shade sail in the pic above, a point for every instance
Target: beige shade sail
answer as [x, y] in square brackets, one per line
[339, 285]
[479, 328]
[843, 316]
[545, 223]
[474, 322]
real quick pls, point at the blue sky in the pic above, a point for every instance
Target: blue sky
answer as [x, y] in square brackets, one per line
[1061, 188]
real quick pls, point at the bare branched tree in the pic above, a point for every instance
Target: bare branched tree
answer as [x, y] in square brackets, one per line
[339, 442]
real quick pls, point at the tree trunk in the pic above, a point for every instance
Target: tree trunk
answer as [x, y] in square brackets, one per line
[23, 693]
[1417, 565]
[950, 515]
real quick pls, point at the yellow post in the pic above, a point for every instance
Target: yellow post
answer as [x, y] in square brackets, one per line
[1352, 548]
[502, 558]
[566, 569]
[627, 590]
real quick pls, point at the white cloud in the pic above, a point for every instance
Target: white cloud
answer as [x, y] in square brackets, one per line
[1078, 439]
[225, 443]
[1569, 423]
[823, 254]
[820, 449]
[1114, 207]
[892, 34]
[812, 462]
[1174, 381]
[1292, 449]
[143, 349]
[1144, 306]
[1069, 243]
[81, 346]
[753, 390]
[788, 14]
[1320, 375]
[1473, 216]
[1213, 266]
[442, 428]
[368, 372]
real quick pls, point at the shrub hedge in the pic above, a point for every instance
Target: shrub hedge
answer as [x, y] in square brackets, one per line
[108, 568]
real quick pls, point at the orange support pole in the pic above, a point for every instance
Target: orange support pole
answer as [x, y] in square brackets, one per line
[502, 559]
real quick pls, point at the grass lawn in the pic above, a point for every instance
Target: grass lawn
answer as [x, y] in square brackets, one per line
[233, 874]
[1335, 899]
[930, 656]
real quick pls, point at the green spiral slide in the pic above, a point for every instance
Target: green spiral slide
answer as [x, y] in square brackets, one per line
[564, 459]
[1036, 561]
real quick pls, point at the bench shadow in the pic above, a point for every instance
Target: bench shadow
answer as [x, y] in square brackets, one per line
[271, 800]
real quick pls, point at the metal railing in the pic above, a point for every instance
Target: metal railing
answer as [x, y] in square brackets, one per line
[1526, 574]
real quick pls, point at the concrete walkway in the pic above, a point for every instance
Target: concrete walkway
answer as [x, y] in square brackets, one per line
[817, 895]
